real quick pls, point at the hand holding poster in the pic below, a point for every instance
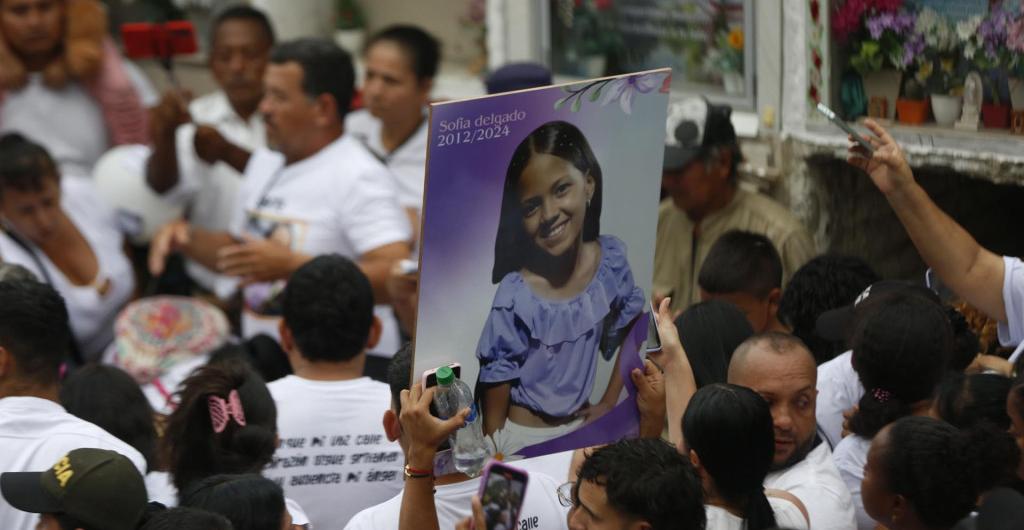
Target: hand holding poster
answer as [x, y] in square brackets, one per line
[540, 214]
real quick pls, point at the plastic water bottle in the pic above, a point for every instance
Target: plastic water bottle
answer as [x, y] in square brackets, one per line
[469, 448]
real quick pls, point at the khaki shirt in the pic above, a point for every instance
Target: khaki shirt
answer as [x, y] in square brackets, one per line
[678, 256]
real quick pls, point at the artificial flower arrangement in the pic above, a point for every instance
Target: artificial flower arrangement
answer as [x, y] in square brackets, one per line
[933, 53]
[876, 33]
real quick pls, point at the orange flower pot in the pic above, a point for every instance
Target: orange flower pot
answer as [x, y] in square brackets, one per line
[912, 111]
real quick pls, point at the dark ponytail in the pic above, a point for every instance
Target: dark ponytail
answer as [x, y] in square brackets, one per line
[900, 351]
[942, 470]
[730, 428]
[195, 451]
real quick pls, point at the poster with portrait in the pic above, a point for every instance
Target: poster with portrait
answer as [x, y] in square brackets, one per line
[539, 221]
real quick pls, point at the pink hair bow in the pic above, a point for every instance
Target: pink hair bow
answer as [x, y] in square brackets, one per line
[222, 410]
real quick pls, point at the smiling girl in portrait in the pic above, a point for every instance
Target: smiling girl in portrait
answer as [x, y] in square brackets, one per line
[565, 293]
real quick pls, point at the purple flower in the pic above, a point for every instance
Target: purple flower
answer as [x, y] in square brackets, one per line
[914, 47]
[900, 24]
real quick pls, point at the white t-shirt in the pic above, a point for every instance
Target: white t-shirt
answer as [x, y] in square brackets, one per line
[334, 458]
[787, 515]
[541, 509]
[340, 200]
[210, 191]
[68, 122]
[850, 456]
[816, 482]
[34, 434]
[1011, 332]
[839, 390]
[92, 314]
[407, 163]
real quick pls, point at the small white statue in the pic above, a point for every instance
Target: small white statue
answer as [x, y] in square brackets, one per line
[972, 103]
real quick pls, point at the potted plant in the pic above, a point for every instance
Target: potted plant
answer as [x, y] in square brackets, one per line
[984, 46]
[350, 26]
[725, 59]
[875, 33]
[1015, 46]
[937, 52]
[912, 108]
[946, 89]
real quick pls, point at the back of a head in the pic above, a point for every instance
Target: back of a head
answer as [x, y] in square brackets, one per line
[191, 444]
[250, 502]
[900, 352]
[966, 346]
[517, 76]
[822, 284]
[24, 164]
[326, 69]
[187, 519]
[34, 329]
[399, 373]
[730, 428]
[13, 271]
[942, 470]
[328, 307]
[966, 400]
[422, 48]
[262, 352]
[741, 262]
[648, 479]
[710, 332]
[108, 397]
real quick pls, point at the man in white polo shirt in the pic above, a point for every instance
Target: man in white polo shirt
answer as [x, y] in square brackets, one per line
[780, 368]
[319, 192]
[35, 431]
[200, 151]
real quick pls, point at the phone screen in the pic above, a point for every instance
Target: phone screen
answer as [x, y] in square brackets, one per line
[430, 376]
[502, 491]
[653, 343]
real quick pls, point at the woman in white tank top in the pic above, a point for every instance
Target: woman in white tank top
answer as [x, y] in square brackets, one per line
[59, 229]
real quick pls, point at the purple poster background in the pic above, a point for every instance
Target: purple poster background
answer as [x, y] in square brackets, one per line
[471, 143]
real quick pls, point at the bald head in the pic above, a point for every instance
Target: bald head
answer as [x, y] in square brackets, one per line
[773, 348]
[780, 368]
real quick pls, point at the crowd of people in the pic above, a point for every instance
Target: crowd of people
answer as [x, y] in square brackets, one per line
[251, 367]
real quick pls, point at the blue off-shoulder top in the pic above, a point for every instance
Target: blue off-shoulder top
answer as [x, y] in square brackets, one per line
[549, 347]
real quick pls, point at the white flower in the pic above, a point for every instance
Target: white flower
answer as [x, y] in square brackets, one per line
[966, 29]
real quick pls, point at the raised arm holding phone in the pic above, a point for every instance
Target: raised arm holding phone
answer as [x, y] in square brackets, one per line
[974, 273]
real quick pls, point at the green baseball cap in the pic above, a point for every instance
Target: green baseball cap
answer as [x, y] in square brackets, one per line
[99, 488]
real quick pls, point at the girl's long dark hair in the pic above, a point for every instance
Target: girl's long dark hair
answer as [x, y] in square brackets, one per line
[730, 428]
[194, 451]
[557, 138]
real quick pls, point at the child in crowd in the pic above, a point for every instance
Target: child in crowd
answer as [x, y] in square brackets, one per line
[250, 502]
[924, 473]
[901, 350]
[565, 292]
[226, 422]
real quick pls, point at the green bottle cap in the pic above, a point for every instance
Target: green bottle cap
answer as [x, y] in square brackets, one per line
[445, 376]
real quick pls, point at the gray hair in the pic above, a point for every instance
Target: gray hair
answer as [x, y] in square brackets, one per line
[13, 271]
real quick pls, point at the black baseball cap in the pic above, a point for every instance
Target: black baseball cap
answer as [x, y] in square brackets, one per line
[97, 487]
[836, 324]
[693, 126]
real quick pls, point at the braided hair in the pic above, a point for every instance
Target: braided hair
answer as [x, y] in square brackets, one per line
[941, 471]
[901, 348]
